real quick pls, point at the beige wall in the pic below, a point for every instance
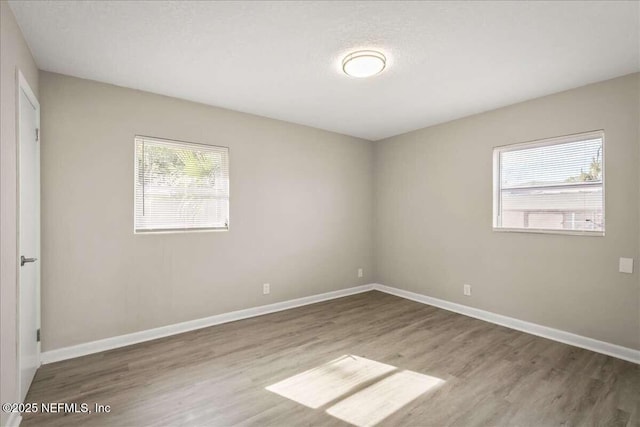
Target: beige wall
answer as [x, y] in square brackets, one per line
[14, 55]
[301, 215]
[305, 204]
[433, 217]
[301, 202]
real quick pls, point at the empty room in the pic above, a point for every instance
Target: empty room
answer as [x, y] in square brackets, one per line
[328, 213]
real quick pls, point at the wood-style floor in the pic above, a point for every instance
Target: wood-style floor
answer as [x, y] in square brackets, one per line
[218, 376]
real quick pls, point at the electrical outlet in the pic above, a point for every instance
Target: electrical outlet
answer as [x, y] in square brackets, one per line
[467, 290]
[266, 288]
[360, 272]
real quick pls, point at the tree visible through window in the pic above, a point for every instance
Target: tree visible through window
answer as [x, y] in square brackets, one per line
[595, 170]
[180, 186]
[551, 185]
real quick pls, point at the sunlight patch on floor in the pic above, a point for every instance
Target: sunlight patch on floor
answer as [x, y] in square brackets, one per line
[376, 402]
[342, 384]
[319, 386]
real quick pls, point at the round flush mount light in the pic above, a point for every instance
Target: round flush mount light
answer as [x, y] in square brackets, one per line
[364, 63]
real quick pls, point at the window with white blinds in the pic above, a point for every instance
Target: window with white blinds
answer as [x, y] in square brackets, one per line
[554, 186]
[180, 186]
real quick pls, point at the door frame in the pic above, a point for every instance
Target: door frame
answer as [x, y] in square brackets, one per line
[23, 85]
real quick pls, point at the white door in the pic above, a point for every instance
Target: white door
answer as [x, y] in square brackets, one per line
[29, 237]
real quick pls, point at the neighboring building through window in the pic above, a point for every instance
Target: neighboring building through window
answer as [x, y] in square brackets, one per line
[180, 186]
[555, 185]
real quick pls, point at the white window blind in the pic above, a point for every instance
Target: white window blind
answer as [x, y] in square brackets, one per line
[554, 185]
[180, 186]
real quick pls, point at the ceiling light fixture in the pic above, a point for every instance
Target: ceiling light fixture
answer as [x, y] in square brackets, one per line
[364, 63]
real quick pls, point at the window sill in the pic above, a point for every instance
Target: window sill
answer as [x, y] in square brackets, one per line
[543, 231]
[181, 231]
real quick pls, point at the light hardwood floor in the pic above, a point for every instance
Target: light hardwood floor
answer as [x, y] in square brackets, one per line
[218, 376]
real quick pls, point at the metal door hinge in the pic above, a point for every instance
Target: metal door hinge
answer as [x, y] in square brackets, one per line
[38, 335]
[37, 134]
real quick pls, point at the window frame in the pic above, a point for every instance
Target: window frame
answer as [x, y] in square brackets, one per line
[565, 139]
[178, 230]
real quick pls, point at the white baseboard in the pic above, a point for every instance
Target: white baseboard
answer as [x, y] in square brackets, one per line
[603, 347]
[609, 349]
[178, 328]
[14, 419]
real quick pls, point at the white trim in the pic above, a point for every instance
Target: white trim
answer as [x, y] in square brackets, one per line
[609, 349]
[585, 233]
[178, 328]
[14, 419]
[603, 347]
[23, 85]
[562, 139]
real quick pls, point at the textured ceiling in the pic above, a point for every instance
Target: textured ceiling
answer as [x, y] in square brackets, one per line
[282, 59]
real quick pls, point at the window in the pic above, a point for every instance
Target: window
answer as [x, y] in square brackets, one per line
[180, 186]
[555, 185]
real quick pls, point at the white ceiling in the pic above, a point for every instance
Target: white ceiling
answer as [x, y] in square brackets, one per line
[281, 59]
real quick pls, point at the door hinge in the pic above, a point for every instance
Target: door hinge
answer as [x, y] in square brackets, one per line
[38, 335]
[37, 134]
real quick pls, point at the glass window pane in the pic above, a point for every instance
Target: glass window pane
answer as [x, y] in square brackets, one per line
[180, 186]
